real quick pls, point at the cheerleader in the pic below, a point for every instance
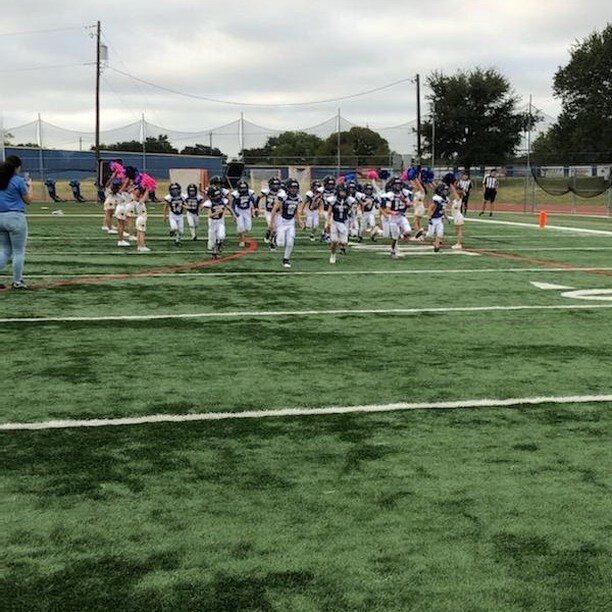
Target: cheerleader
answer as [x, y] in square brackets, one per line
[113, 197]
[140, 194]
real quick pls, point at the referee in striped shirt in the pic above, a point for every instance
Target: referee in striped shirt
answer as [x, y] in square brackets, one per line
[490, 185]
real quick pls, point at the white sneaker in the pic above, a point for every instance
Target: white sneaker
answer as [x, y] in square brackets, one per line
[457, 247]
[123, 243]
[144, 249]
[393, 254]
[104, 228]
[128, 236]
[112, 231]
[332, 258]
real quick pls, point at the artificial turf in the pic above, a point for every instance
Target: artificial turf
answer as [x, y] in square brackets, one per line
[487, 509]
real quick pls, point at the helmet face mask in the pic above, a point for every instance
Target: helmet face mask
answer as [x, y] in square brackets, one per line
[368, 190]
[329, 183]
[192, 190]
[242, 187]
[175, 190]
[214, 193]
[293, 188]
[396, 186]
[274, 184]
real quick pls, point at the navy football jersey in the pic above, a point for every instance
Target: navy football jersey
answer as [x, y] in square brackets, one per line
[439, 203]
[217, 208]
[193, 204]
[326, 197]
[176, 204]
[341, 209]
[289, 207]
[242, 202]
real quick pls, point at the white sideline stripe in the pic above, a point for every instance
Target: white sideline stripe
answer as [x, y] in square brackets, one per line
[280, 274]
[299, 412]
[562, 228]
[300, 313]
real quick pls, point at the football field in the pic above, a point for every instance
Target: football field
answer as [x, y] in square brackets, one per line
[427, 433]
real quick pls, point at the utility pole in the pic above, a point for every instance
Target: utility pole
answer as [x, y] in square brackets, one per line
[98, 71]
[418, 106]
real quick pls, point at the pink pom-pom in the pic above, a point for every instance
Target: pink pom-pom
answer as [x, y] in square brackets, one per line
[373, 175]
[117, 169]
[404, 175]
[148, 182]
[340, 180]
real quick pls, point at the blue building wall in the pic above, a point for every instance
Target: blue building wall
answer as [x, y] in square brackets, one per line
[68, 165]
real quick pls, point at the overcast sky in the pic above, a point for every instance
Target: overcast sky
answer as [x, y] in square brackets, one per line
[273, 51]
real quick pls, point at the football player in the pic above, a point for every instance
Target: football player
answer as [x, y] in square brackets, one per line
[368, 223]
[398, 200]
[217, 205]
[313, 205]
[243, 204]
[436, 214]
[339, 208]
[269, 195]
[193, 202]
[173, 212]
[288, 206]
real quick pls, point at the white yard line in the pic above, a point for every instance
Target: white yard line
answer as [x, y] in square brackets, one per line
[282, 274]
[300, 412]
[579, 230]
[246, 314]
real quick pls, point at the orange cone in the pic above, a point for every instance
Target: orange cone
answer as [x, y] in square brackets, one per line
[543, 218]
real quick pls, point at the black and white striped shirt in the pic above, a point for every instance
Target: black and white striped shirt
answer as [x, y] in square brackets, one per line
[465, 185]
[490, 182]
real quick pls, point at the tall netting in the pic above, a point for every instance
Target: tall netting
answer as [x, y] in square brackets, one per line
[584, 181]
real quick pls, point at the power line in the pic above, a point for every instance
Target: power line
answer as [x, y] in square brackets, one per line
[44, 31]
[32, 68]
[235, 103]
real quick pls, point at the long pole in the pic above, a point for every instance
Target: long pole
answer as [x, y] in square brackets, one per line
[241, 131]
[529, 133]
[418, 106]
[98, 70]
[143, 130]
[2, 137]
[339, 155]
[41, 164]
[433, 134]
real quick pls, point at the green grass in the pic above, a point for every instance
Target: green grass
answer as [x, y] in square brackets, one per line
[487, 509]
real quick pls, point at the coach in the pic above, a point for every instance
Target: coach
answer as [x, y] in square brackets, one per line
[14, 195]
[490, 185]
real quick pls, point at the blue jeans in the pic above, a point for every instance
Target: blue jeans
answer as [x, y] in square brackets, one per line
[13, 239]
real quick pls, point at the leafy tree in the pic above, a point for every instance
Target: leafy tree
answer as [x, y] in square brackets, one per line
[200, 149]
[583, 131]
[161, 144]
[7, 139]
[477, 119]
[358, 147]
[285, 149]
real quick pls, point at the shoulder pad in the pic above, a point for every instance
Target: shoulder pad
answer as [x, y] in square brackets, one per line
[265, 191]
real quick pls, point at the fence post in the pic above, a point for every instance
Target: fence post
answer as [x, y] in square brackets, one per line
[339, 155]
[143, 131]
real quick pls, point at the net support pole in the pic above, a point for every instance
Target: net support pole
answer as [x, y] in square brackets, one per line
[98, 72]
[433, 134]
[338, 143]
[418, 109]
[2, 138]
[241, 135]
[143, 135]
[41, 161]
[210, 140]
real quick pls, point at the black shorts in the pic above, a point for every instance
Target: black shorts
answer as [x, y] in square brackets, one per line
[490, 194]
[465, 199]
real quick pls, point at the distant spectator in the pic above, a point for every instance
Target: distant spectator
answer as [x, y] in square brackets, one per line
[15, 193]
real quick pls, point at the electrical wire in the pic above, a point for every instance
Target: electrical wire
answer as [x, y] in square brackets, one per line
[266, 105]
[33, 68]
[24, 32]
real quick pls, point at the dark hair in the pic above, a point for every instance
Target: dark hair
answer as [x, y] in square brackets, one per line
[7, 172]
[14, 161]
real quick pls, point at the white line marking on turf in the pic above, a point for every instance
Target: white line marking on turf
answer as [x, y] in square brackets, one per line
[280, 274]
[603, 295]
[299, 412]
[562, 228]
[299, 313]
[549, 286]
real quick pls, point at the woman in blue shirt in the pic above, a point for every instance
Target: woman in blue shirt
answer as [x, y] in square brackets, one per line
[14, 195]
